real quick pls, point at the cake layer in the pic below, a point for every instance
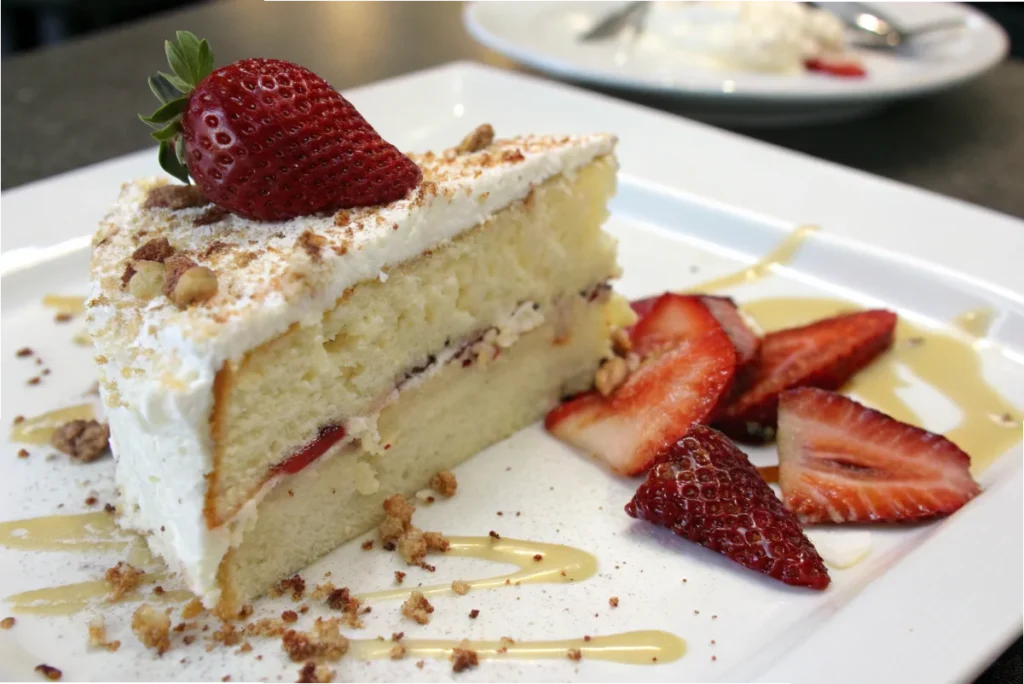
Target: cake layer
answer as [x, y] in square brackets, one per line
[509, 273]
[433, 426]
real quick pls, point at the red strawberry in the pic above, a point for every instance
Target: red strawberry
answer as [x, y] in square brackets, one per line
[704, 489]
[746, 342]
[678, 383]
[270, 140]
[833, 66]
[823, 354]
[840, 461]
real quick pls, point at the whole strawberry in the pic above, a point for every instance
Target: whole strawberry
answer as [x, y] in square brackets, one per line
[269, 140]
[705, 489]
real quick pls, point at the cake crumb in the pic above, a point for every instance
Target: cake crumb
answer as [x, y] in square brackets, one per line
[574, 654]
[613, 602]
[289, 616]
[397, 652]
[155, 249]
[325, 642]
[538, 557]
[265, 627]
[23, 453]
[436, 541]
[342, 599]
[480, 137]
[397, 636]
[311, 673]
[83, 440]
[191, 609]
[460, 587]
[444, 483]
[24, 352]
[367, 545]
[228, 634]
[245, 613]
[294, 584]
[49, 671]
[98, 635]
[7, 623]
[473, 614]
[463, 659]
[420, 663]
[152, 627]
[399, 576]
[417, 608]
[122, 579]
[493, 535]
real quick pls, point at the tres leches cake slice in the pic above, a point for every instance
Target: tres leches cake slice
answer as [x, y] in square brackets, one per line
[269, 384]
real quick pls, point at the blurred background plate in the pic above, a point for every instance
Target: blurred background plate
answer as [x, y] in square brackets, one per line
[544, 36]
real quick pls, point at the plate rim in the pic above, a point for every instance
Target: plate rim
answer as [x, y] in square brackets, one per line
[597, 76]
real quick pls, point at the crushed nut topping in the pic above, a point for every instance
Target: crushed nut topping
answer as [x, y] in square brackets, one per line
[311, 673]
[325, 641]
[147, 280]
[152, 627]
[122, 579]
[50, 672]
[98, 635]
[444, 483]
[157, 249]
[417, 608]
[611, 375]
[193, 285]
[621, 344]
[463, 659]
[175, 197]
[83, 440]
[480, 137]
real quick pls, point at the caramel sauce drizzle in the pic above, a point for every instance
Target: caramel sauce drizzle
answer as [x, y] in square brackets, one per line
[989, 425]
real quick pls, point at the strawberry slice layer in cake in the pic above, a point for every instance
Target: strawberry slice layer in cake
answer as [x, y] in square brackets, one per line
[320, 322]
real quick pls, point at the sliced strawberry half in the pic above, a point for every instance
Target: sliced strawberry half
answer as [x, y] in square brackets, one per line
[824, 354]
[840, 461]
[688, 364]
[746, 342]
[706, 490]
[845, 67]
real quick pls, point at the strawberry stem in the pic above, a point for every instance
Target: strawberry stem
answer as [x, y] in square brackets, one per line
[191, 61]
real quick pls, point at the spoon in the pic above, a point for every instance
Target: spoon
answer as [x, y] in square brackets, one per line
[630, 15]
[875, 30]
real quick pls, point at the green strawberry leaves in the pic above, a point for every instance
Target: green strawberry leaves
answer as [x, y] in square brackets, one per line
[191, 61]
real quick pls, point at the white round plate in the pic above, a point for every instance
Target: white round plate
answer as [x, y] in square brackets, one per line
[544, 36]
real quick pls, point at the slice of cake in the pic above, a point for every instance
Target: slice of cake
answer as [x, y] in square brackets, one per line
[270, 383]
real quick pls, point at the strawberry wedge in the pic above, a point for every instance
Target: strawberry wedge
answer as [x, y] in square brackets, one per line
[842, 462]
[686, 365]
[824, 354]
[706, 490]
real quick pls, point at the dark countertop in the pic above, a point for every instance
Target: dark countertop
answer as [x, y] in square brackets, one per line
[70, 106]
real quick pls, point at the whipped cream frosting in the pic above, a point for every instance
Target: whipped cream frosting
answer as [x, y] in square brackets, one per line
[158, 363]
[758, 36]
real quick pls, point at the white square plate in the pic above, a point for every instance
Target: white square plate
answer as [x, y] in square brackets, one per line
[928, 603]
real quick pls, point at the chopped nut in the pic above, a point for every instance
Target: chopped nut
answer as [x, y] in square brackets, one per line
[460, 587]
[175, 197]
[157, 250]
[324, 642]
[480, 137]
[152, 627]
[83, 440]
[7, 623]
[463, 659]
[621, 344]
[122, 579]
[192, 609]
[417, 608]
[311, 673]
[193, 285]
[147, 281]
[444, 483]
[50, 672]
[611, 374]
[98, 635]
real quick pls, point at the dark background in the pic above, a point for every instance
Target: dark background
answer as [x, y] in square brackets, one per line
[31, 24]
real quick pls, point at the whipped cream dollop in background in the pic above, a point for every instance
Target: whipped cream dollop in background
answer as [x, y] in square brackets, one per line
[754, 36]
